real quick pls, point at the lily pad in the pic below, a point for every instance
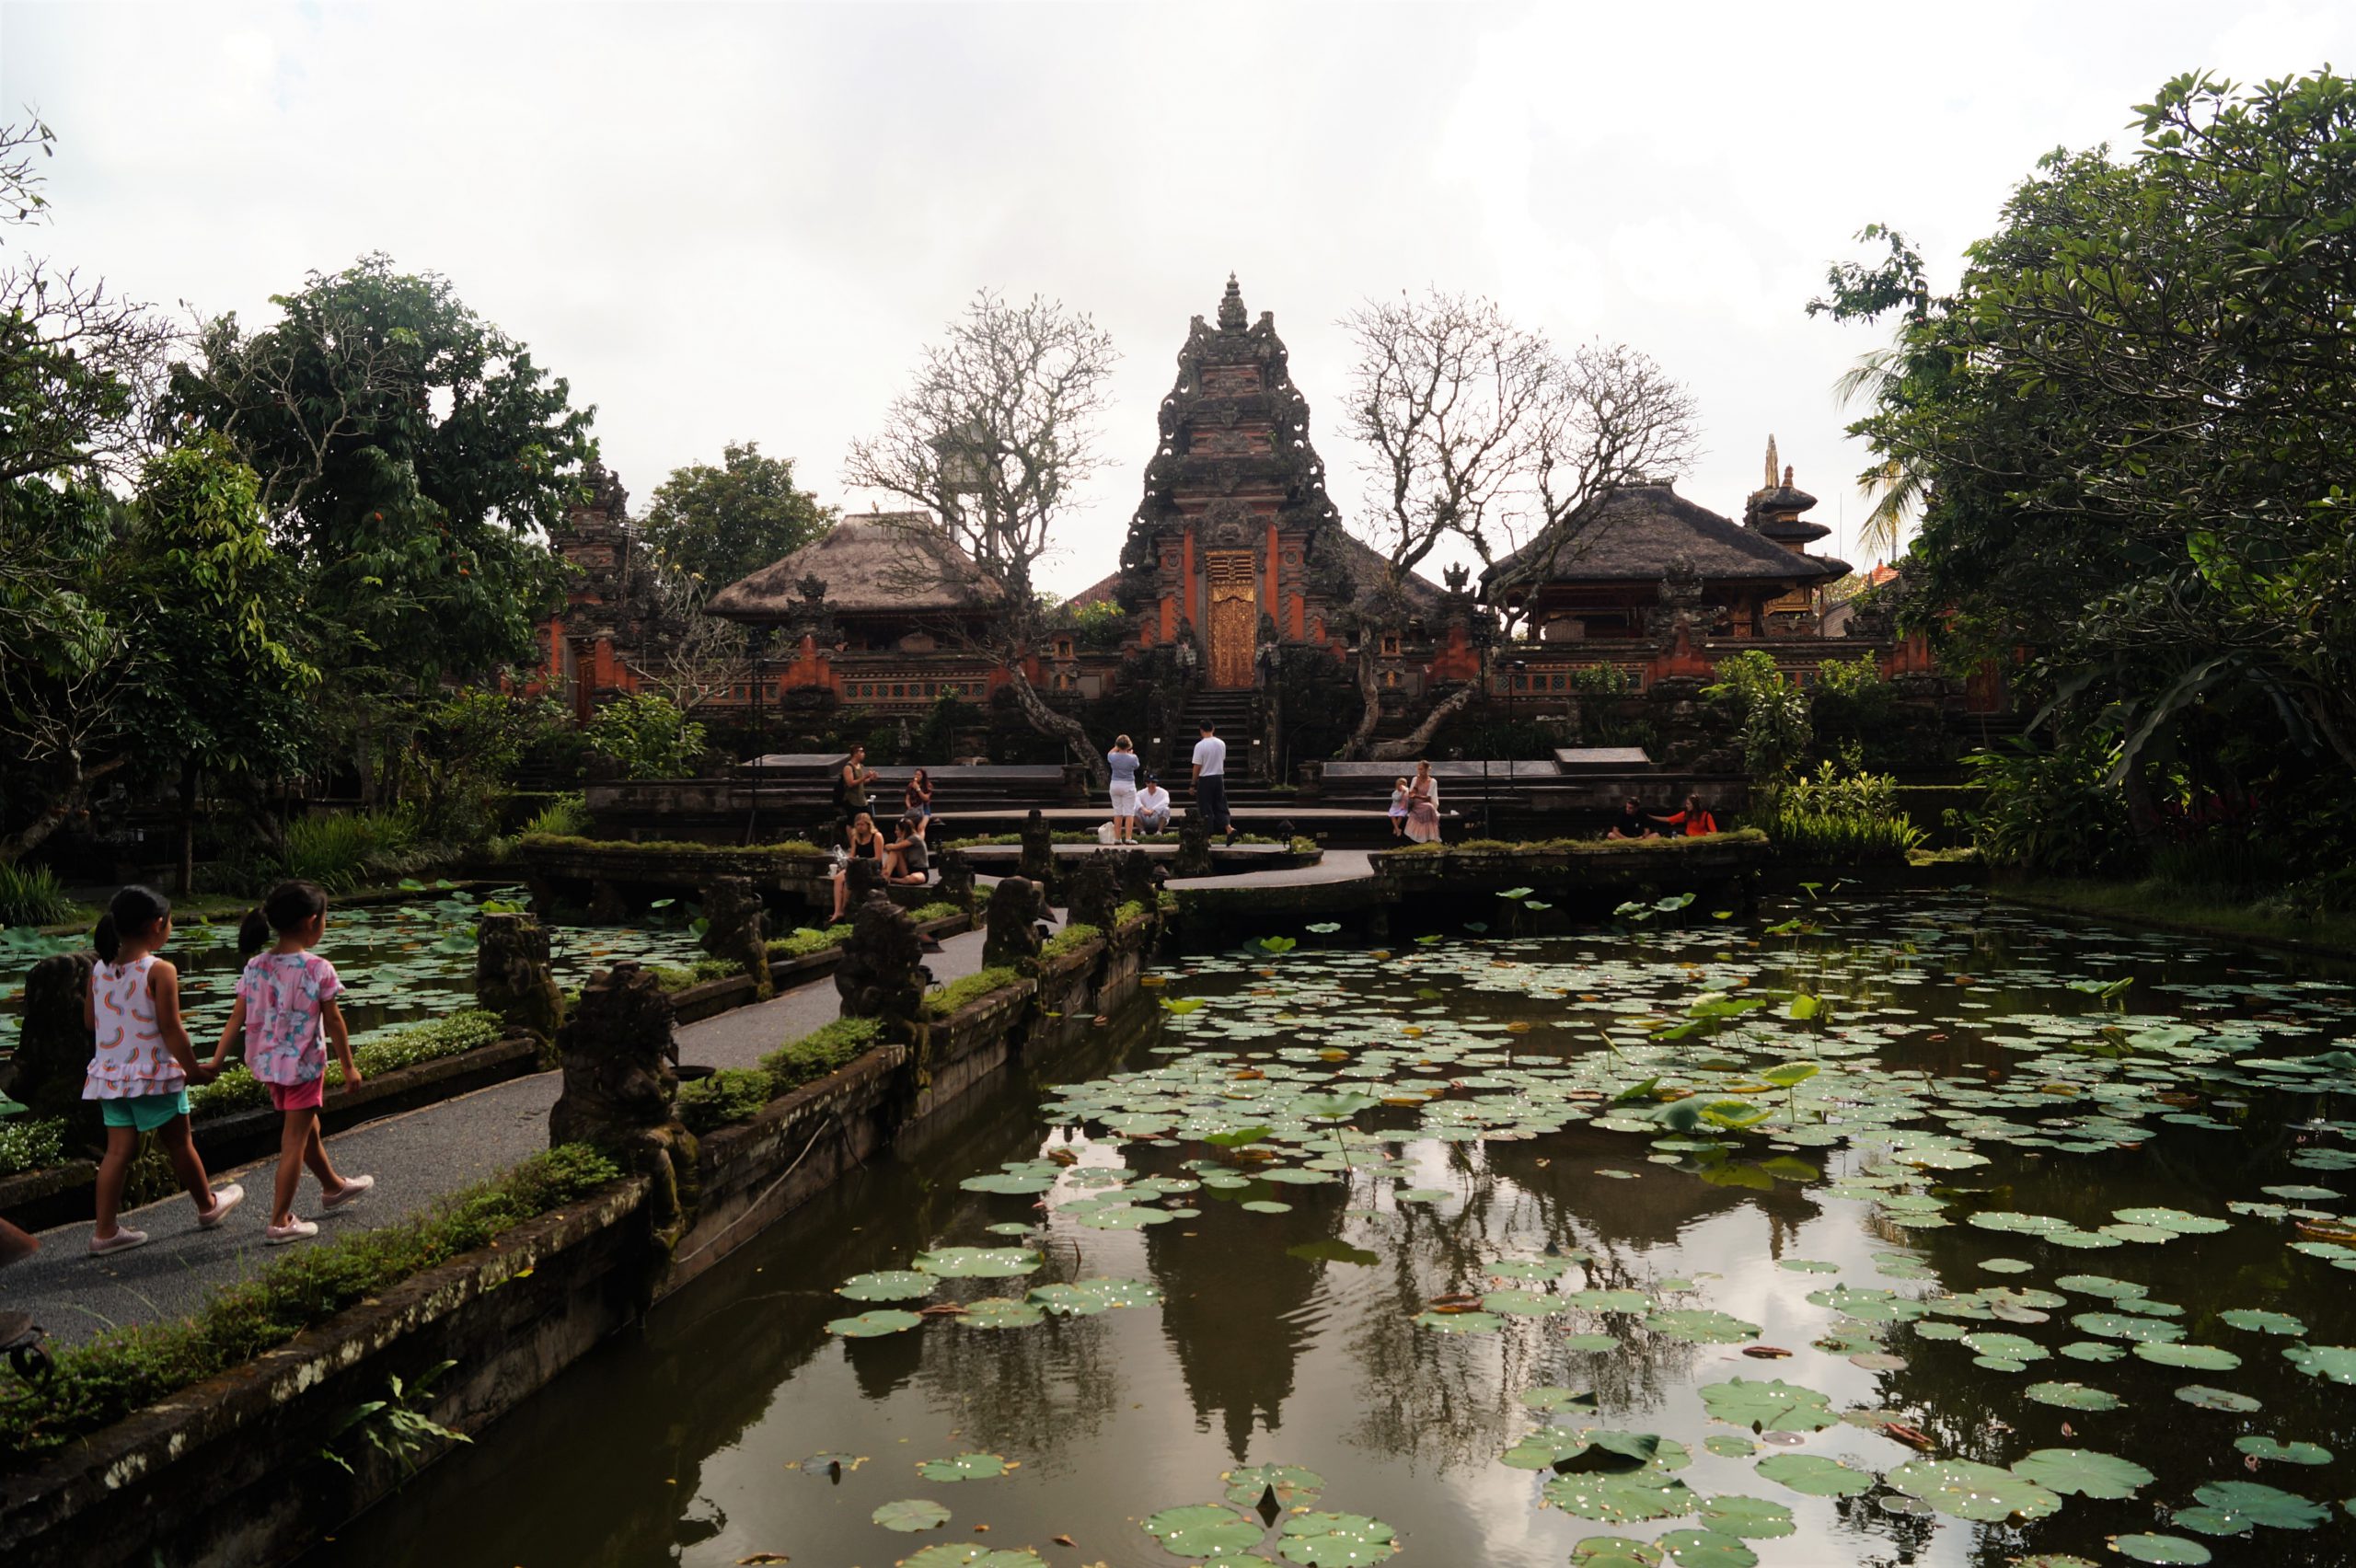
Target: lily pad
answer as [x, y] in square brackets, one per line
[892, 1285]
[2268, 1448]
[1705, 1549]
[2206, 1398]
[1202, 1530]
[1699, 1325]
[1769, 1405]
[2165, 1549]
[2262, 1322]
[2199, 1357]
[1815, 1476]
[1460, 1322]
[965, 1466]
[2072, 1396]
[1318, 1539]
[872, 1325]
[1001, 1312]
[1969, 1489]
[951, 1555]
[978, 1262]
[1292, 1486]
[2229, 1507]
[2081, 1473]
[911, 1514]
[1621, 1498]
[1754, 1519]
[2334, 1362]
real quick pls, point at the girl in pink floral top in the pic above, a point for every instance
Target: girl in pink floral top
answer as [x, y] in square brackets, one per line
[141, 1063]
[285, 1004]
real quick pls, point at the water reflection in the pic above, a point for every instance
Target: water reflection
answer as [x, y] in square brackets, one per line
[1291, 1337]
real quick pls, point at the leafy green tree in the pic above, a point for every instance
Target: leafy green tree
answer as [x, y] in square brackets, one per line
[1776, 726]
[214, 686]
[2130, 428]
[649, 736]
[412, 458]
[713, 525]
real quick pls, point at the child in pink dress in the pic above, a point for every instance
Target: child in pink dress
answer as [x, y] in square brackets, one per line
[285, 1001]
[141, 1063]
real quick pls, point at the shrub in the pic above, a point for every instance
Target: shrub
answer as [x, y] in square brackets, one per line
[807, 940]
[31, 895]
[1842, 818]
[820, 1052]
[340, 850]
[941, 909]
[564, 817]
[971, 988]
[2054, 811]
[1134, 909]
[1776, 732]
[648, 735]
[1078, 934]
[236, 1089]
[26, 1144]
[731, 1094]
[98, 1383]
[678, 977]
[668, 845]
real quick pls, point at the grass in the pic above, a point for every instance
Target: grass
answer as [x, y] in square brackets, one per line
[809, 939]
[31, 895]
[237, 1089]
[26, 1144]
[2172, 907]
[666, 845]
[1077, 935]
[98, 1383]
[1580, 845]
[340, 850]
[678, 977]
[738, 1094]
[971, 988]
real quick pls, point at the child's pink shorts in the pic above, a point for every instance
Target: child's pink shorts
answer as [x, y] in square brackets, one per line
[308, 1095]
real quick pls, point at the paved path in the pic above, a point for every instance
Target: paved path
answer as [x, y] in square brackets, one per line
[416, 1157]
[1336, 866]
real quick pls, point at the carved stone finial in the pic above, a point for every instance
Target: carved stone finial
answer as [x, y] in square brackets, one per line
[512, 977]
[620, 1091]
[956, 877]
[605, 491]
[1091, 894]
[736, 929]
[53, 1043]
[1038, 862]
[881, 974]
[1194, 857]
[1231, 308]
[1787, 476]
[1772, 464]
[1010, 929]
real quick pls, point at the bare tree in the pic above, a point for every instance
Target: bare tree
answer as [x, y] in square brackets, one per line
[697, 657]
[991, 442]
[1483, 431]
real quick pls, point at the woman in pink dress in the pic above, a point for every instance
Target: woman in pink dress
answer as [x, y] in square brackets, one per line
[1422, 805]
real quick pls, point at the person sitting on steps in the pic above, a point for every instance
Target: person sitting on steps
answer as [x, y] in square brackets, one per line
[861, 843]
[1154, 806]
[905, 860]
[1632, 823]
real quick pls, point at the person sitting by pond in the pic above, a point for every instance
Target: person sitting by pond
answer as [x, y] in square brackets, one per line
[905, 860]
[850, 788]
[1398, 808]
[1153, 807]
[1122, 760]
[1695, 819]
[862, 842]
[1632, 822]
[1422, 805]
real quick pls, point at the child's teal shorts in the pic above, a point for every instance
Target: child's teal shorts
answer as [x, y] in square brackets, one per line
[143, 1113]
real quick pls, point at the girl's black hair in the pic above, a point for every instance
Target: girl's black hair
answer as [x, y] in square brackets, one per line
[289, 906]
[133, 912]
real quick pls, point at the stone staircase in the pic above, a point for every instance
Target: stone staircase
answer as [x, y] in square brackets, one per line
[1236, 714]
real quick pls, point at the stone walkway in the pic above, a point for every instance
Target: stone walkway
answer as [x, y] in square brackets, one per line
[416, 1157]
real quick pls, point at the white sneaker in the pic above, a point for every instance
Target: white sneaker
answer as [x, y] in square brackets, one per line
[293, 1230]
[122, 1241]
[354, 1188]
[224, 1200]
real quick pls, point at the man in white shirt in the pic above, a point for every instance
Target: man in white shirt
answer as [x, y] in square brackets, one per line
[1154, 806]
[1210, 782]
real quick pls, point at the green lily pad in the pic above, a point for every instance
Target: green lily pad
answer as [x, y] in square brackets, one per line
[1552, 1398]
[870, 1325]
[1202, 1530]
[2199, 1357]
[2163, 1548]
[2177, 1220]
[2268, 1448]
[1265, 1206]
[1698, 1325]
[978, 1262]
[1528, 1268]
[1621, 1498]
[1545, 1448]
[1705, 1549]
[1320, 1540]
[1591, 1343]
[2126, 1326]
[1754, 1519]
[1614, 1552]
[2080, 1473]
[1008, 1182]
[2072, 1396]
[1815, 1476]
[2262, 1322]
[1728, 1445]
[2248, 1503]
[1001, 1312]
[1460, 1322]
[911, 1514]
[2334, 1362]
[964, 1466]
[1292, 1486]
[1769, 1405]
[950, 1554]
[892, 1284]
[1808, 1265]
[1969, 1489]
[2205, 1398]
[1423, 1195]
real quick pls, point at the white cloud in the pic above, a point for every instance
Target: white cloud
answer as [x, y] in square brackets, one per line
[741, 222]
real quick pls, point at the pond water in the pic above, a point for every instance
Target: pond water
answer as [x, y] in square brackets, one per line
[401, 962]
[2051, 1238]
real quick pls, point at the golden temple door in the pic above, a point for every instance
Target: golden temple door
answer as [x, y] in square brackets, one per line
[1235, 617]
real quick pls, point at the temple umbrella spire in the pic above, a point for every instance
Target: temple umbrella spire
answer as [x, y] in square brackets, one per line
[1231, 308]
[1772, 464]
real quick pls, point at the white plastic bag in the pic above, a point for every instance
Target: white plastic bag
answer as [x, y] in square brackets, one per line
[1105, 834]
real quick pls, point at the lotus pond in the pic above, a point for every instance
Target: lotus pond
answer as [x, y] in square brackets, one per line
[1867, 1232]
[400, 962]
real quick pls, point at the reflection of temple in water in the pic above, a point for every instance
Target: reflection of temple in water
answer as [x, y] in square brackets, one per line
[1239, 1333]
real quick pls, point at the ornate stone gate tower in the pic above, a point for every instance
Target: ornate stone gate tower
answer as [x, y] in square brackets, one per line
[1220, 554]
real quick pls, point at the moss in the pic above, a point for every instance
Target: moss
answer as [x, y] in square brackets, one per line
[1076, 935]
[237, 1089]
[665, 846]
[678, 977]
[971, 988]
[98, 1383]
[1134, 909]
[807, 940]
[731, 1094]
[1582, 846]
[29, 1143]
[821, 1052]
[941, 909]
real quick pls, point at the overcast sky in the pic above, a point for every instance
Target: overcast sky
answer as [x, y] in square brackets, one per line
[742, 220]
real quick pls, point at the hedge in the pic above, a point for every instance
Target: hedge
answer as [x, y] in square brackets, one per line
[737, 1094]
[958, 993]
[236, 1089]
